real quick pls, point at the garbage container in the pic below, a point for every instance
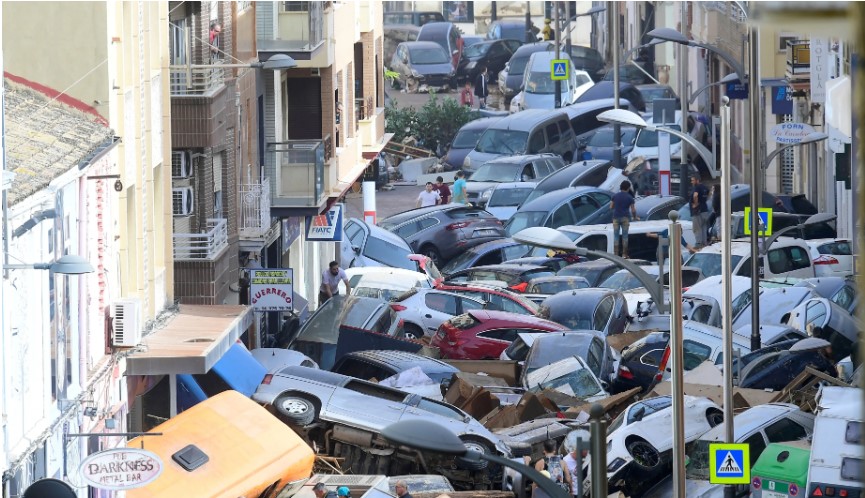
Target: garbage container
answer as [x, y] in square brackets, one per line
[781, 471]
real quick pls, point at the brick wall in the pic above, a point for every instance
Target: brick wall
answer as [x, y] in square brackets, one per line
[328, 116]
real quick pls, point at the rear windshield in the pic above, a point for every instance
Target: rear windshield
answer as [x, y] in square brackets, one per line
[496, 172]
[509, 196]
[518, 65]
[839, 248]
[463, 322]
[502, 142]
[476, 50]
[650, 138]
[539, 82]
[435, 55]
[388, 254]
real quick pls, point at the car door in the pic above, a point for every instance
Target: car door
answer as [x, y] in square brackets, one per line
[438, 308]
[563, 215]
[353, 240]
[365, 404]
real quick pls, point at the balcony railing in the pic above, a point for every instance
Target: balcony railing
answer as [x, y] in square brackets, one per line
[254, 209]
[363, 109]
[196, 82]
[297, 170]
[202, 246]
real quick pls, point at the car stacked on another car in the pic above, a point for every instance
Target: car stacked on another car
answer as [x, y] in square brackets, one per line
[484, 334]
[489, 253]
[567, 206]
[423, 63]
[465, 140]
[525, 168]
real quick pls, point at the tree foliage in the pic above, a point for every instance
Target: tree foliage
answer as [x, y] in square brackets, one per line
[434, 125]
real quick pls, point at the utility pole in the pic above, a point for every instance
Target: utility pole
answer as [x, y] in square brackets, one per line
[726, 279]
[683, 98]
[558, 83]
[756, 180]
[530, 37]
[613, 18]
[678, 355]
[568, 14]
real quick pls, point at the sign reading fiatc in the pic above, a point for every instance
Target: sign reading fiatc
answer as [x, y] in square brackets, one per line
[271, 289]
[121, 468]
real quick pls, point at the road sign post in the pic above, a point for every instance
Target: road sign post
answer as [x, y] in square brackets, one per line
[560, 69]
[729, 463]
[765, 215]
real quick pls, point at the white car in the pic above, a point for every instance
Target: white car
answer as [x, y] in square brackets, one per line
[505, 198]
[571, 376]
[831, 257]
[646, 144]
[640, 439]
[424, 310]
[383, 282]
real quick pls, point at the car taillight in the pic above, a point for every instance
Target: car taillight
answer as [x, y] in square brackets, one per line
[398, 307]
[825, 260]
[267, 378]
[663, 366]
[457, 225]
[519, 287]
[625, 372]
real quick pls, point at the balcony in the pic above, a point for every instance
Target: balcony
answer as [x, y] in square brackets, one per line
[206, 246]
[300, 30]
[254, 209]
[296, 170]
[195, 82]
[798, 60]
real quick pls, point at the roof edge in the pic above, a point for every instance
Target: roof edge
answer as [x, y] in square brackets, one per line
[58, 96]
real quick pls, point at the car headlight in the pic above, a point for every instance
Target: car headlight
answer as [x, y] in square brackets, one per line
[416, 74]
[615, 465]
[471, 65]
[467, 162]
[487, 193]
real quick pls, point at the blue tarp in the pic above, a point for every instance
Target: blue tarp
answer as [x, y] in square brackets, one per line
[237, 369]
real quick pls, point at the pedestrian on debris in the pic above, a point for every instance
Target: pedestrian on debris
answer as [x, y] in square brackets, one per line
[444, 190]
[460, 189]
[321, 491]
[552, 463]
[428, 197]
[330, 279]
[699, 210]
[571, 463]
[402, 489]
[343, 492]
[621, 203]
[467, 98]
[481, 89]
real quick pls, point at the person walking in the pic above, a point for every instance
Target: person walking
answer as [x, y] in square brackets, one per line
[621, 204]
[570, 461]
[699, 210]
[443, 189]
[467, 98]
[481, 89]
[330, 279]
[460, 189]
[428, 197]
[552, 463]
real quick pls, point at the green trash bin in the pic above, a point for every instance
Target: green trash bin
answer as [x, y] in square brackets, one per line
[781, 471]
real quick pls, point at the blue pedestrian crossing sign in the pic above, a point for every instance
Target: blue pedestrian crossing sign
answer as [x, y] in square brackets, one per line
[560, 69]
[729, 463]
[765, 215]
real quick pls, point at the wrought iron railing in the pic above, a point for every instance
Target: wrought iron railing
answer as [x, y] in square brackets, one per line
[254, 209]
[202, 246]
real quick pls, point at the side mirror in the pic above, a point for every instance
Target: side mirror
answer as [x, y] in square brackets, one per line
[356, 250]
[639, 414]
[605, 385]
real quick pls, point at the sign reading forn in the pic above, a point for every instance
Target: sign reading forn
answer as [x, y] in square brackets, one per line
[790, 133]
[121, 468]
[271, 289]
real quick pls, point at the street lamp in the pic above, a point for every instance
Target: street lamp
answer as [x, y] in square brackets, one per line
[671, 35]
[276, 62]
[807, 139]
[66, 265]
[730, 78]
[811, 220]
[430, 436]
[625, 117]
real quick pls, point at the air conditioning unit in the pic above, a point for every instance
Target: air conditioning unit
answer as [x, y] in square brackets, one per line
[181, 164]
[126, 322]
[182, 201]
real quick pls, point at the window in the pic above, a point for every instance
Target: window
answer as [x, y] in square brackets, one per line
[602, 313]
[408, 229]
[543, 168]
[600, 197]
[756, 445]
[815, 316]
[552, 133]
[536, 142]
[652, 358]
[583, 207]
[744, 270]
[695, 353]
[565, 128]
[785, 430]
[295, 6]
[470, 304]
[425, 223]
[499, 335]
[596, 352]
[702, 314]
[513, 252]
[596, 242]
[561, 217]
[182, 201]
[354, 233]
[504, 304]
[851, 469]
[361, 370]
[853, 434]
[442, 303]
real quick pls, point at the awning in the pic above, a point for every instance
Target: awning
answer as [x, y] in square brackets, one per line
[192, 342]
[838, 104]
[369, 152]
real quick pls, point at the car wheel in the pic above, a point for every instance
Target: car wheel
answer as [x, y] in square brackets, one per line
[412, 331]
[478, 446]
[433, 254]
[644, 454]
[299, 410]
[714, 417]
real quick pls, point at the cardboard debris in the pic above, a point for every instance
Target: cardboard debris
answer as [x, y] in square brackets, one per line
[459, 392]
[505, 370]
[612, 405]
[620, 341]
[742, 398]
[557, 399]
[801, 390]
[530, 407]
[706, 374]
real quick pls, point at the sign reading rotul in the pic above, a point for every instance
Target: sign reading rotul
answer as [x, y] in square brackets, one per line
[790, 133]
[271, 289]
[121, 468]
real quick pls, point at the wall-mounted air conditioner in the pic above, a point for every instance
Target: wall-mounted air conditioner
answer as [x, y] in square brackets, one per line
[126, 322]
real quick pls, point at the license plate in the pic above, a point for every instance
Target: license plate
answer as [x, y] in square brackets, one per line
[774, 494]
[486, 233]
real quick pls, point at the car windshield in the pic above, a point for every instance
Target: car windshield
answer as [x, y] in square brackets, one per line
[578, 51]
[525, 219]
[698, 463]
[650, 94]
[508, 196]
[388, 254]
[323, 326]
[518, 350]
[467, 139]
[435, 55]
[604, 137]
[503, 142]
[496, 172]
[539, 82]
[461, 262]
[556, 286]
[567, 376]
[621, 280]
[650, 138]
[477, 50]
[710, 263]
[518, 65]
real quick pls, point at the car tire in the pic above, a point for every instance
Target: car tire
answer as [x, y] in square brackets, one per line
[480, 447]
[433, 254]
[412, 331]
[644, 454]
[714, 417]
[297, 409]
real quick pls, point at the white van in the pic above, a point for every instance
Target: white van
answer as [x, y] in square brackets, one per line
[538, 89]
[640, 246]
[836, 446]
[788, 257]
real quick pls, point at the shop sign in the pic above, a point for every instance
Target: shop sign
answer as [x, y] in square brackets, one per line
[121, 468]
[271, 289]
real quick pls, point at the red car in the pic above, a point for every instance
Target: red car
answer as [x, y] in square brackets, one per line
[484, 334]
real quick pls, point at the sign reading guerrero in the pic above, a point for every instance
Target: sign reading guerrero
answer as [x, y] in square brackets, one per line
[121, 468]
[271, 289]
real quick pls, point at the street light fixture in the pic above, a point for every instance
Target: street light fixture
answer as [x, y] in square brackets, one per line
[66, 265]
[430, 436]
[807, 139]
[730, 78]
[628, 118]
[276, 62]
[671, 35]
[811, 220]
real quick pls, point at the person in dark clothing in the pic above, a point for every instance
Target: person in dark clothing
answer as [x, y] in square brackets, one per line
[444, 190]
[321, 491]
[481, 88]
[621, 203]
[699, 210]
[402, 489]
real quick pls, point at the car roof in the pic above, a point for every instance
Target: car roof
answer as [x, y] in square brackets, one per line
[563, 177]
[513, 185]
[554, 198]
[840, 402]
[640, 226]
[415, 213]
[527, 119]
[402, 360]
[480, 123]
[519, 158]
[541, 60]
[515, 318]
[436, 27]
[531, 48]
[586, 297]
[422, 44]
[750, 420]
[603, 89]
[579, 108]
[381, 233]
[742, 247]
[494, 244]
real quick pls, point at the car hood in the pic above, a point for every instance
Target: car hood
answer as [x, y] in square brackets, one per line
[477, 159]
[455, 157]
[433, 69]
[513, 82]
[542, 100]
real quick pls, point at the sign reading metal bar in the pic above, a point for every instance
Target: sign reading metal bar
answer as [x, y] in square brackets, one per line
[121, 468]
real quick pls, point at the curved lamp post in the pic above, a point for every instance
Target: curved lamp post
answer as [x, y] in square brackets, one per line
[625, 117]
[807, 139]
[812, 220]
[671, 35]
[430, 436]
[730, 78]
[65, 265]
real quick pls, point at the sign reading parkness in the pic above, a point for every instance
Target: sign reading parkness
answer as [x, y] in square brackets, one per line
[270, 289]
[560, 69]
[729, 463]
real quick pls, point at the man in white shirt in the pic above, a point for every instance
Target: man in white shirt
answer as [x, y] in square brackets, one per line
[330, 279]
[428, 197]
[570, 461]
